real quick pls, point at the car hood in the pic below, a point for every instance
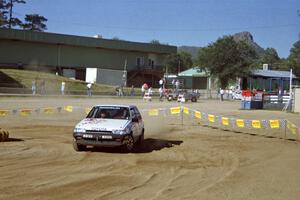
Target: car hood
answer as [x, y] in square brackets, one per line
[102, 124]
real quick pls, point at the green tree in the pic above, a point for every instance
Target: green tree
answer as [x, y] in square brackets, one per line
[227, 59]
[294, 58]
[13, 21]
[35, 22]
[175, 63]
[271, 57]
[154, 41]
[3, 14]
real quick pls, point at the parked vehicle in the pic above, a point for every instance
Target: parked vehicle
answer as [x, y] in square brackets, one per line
[186, 94]
[110, 126]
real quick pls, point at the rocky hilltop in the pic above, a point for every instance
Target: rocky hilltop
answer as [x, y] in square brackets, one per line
[242, 36]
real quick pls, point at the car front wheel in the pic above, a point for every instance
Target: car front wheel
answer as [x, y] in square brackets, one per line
[128, 143]
[78, 147]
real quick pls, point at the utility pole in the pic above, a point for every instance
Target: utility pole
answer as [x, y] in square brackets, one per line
[125, 73]
[10, 14]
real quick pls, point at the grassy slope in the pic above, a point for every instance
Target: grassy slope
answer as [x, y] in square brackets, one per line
[53, 82]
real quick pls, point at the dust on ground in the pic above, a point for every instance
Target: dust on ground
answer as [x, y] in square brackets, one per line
[175, 162]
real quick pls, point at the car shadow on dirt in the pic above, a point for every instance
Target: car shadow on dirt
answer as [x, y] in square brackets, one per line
[148, 145]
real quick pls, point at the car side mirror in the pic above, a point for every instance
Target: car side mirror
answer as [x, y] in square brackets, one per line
[135, 119]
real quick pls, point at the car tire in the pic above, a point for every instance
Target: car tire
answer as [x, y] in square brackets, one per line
[128, 143]
[78, 147]
[194, 99]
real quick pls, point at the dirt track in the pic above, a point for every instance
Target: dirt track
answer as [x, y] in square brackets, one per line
[175, 162]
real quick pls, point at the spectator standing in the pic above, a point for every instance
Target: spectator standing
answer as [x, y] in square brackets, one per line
[143, 90]
[121, 91]
[173, 83]
[33, 87]
[150, 92]
[161, 93]
[132, 93]
[43, 85]
[62, 88]
[222, 94]
[177, 83]
[89, 89]
[161, 82]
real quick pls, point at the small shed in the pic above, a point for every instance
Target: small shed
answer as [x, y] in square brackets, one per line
[271, 81]
[194, 78]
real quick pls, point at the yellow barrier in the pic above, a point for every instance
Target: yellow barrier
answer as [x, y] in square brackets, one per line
[186, 110]
[256, 124]
[225, 121]
[240, 123]
[25, 112]
[87, 110]
[198, 114]
[175, 110]
[68, 108]
[274, 123]
[211, 118]
[153, 112]
[49, 110]
[4, 113]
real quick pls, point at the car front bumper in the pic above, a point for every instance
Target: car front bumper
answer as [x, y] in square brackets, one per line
[100, 140]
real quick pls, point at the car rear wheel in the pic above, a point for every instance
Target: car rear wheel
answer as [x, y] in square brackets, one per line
[128, 142]
[141, 138]
[194, 99]
[78, 147]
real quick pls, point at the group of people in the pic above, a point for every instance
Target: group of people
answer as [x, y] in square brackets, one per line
[42, 85]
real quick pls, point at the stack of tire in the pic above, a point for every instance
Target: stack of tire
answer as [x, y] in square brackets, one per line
[4, 135]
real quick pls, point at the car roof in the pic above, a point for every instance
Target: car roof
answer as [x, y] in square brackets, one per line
[114, 105]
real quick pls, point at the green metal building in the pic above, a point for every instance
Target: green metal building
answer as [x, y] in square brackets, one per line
[194, 78]
[71, 56]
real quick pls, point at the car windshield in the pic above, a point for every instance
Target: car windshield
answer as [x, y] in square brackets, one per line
[113, 112]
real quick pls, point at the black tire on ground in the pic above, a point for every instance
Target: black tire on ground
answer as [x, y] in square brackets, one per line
[6, 135]
[78, 147]
[194, 99]
[128, 143]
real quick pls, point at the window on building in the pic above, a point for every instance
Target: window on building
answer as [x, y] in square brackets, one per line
[139, 61]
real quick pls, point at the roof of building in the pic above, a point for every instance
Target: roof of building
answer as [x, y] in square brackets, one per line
[195, 71]
[272, 73]
[54, 38]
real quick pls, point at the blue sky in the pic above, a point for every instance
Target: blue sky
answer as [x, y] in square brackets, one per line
[273, 23]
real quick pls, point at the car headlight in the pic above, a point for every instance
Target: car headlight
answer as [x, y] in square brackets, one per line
[79, 130]
[119, 132]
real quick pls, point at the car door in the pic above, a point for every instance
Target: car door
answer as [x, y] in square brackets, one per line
[140, 123]
[135, 125]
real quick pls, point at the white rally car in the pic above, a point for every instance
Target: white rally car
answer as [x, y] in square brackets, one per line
[110, 126]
